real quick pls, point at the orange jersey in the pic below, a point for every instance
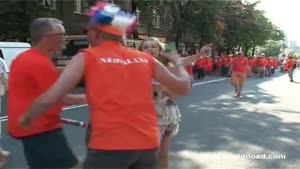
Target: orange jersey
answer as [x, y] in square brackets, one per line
[225, 62]
[261, 62]
[290, 63]
[189, 69]
[201, 63]
[251, 62]
[31, 74]
[240, 65]
[119, 92]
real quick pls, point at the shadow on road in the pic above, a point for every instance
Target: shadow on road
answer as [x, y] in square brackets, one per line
[221, 125]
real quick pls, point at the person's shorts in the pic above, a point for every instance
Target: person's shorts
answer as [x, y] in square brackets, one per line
[106, 159]
[171, 129]
[48, 150]
[236, 76]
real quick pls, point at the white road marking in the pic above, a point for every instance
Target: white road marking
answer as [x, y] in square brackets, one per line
[74, 107]
[4, 118]
[210, 81]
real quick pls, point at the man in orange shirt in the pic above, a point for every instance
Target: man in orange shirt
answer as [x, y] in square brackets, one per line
[201, 65]
[291, 65]
[262, 65]
[209, 64]
[273, 65]
[228, 65]
[31, 74]
[251, 63]
[124, 132]
[239, 68]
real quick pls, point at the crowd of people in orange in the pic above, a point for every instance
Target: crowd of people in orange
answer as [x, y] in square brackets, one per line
[261, 65]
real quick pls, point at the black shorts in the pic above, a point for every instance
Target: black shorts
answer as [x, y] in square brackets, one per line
[48, 150]
[146, 159]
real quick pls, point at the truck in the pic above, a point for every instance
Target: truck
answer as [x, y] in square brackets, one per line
[10, 50]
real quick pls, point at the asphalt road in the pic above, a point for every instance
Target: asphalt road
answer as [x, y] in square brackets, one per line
[219, 130]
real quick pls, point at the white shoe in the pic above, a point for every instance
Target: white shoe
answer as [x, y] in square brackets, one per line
[4, 153]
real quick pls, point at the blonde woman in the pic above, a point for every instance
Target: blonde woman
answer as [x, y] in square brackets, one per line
[168, 112]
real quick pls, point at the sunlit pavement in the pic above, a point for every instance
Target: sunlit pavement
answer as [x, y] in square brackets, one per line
[222, 131]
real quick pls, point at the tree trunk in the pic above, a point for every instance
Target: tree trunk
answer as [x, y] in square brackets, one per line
[253, 50]
[220, 51]
[178, 37]
[239, 48]
[246, 50]
[228, 50]
[134, 5]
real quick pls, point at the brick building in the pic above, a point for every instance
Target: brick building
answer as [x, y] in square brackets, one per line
[72, 12]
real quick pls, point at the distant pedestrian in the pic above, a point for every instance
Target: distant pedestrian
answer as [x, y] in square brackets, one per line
[239, 68]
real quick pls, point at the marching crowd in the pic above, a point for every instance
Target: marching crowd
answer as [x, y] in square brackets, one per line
[261, 65]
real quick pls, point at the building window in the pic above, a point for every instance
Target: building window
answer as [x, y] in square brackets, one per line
[80, 6]
[138, 15]
[108, 1]
[156, 19]
[48, 3]
[77, 6]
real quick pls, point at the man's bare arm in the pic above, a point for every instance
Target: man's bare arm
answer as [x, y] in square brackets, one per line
[179, 84]
[76, 99]
[193, 58]
[67, 81]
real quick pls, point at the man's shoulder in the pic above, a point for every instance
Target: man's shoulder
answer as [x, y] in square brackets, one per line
[138, 53]
[24, 55]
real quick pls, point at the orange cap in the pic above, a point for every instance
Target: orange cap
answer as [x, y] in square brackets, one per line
[110, 29]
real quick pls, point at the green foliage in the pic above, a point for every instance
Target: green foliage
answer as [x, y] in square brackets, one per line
[272, 48]
[15, 17]
[228, 24]
[296, 55]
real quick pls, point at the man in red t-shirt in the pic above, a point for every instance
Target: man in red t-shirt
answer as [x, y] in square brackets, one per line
[262, 63]
[31, 74]
[291, 65]
[239, 68]
[201, 65]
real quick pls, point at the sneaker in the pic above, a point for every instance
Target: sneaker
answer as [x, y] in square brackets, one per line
[3, 157]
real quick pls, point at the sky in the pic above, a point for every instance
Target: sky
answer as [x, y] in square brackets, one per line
[284, 14]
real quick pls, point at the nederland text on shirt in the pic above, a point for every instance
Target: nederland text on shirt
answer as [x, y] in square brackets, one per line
[123, 61]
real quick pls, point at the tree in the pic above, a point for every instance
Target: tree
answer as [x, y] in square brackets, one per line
[16, 16]
[272, 48]
[180, 10]
[247, 27]
[206, 22]
[147, 9]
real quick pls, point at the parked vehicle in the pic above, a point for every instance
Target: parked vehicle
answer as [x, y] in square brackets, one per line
[10, 50]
